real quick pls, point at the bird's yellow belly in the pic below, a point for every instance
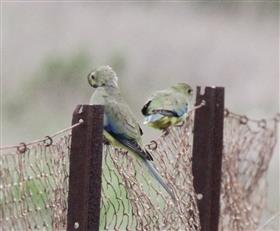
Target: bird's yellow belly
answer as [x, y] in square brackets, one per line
[164, 122]
[111, 139]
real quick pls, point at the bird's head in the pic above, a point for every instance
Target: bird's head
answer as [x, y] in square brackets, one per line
[103, 76]
[184, 89]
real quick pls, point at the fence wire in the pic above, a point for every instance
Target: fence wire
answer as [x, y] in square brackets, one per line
[34, 181]
[34, 185]
[248, 148]
[133, 200]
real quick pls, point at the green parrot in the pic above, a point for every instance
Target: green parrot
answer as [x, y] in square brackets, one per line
[168, 107]
[121, 128]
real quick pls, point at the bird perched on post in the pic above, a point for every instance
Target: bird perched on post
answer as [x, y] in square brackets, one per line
[168, 107]
[120, 125]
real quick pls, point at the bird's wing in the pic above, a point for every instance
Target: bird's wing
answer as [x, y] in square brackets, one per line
[167, 103]
[165, 112]
[122, 125]
[159, 100]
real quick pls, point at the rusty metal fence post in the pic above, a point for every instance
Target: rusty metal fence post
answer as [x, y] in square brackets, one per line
[85, 169]
[207, 155]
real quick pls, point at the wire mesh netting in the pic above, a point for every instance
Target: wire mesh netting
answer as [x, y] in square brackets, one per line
[132, 200]
[34, 186]
[34, 181]
[248, 148]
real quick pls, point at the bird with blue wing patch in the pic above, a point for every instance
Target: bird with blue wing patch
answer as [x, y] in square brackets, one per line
[120, 125]
[168, 107]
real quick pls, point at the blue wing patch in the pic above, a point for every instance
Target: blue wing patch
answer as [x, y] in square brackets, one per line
[129, 143]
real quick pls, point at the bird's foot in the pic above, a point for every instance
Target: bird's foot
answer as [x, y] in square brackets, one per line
[165, 131]
[105, 141]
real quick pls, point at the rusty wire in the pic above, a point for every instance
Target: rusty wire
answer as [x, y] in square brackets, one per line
[34, 181]
[34, 185]
[248, 148]
[22, 147]
[132, 200]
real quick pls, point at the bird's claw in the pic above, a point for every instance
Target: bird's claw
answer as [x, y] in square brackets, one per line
[165, 132]
[105, 141]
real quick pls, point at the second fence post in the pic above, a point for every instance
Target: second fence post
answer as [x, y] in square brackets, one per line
[85, 169]
[207, 155]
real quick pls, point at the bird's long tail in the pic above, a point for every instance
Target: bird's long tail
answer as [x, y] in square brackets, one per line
[159, 179]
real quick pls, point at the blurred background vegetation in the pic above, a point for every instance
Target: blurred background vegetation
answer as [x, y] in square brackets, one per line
[49, 48]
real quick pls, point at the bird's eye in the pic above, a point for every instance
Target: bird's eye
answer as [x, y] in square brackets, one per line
[190, 91]
[92, 76]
